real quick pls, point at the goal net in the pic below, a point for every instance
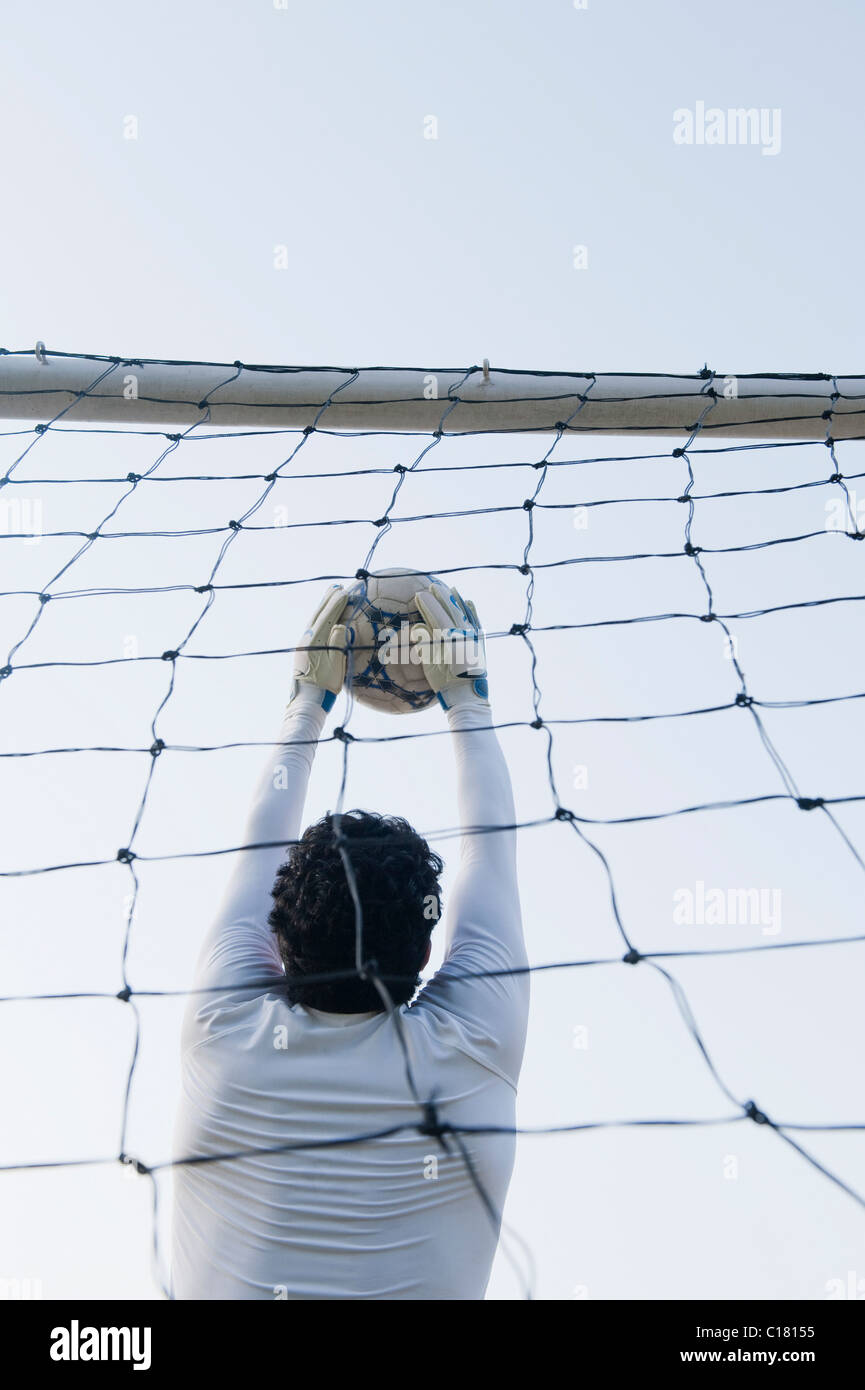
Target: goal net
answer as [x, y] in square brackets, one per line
[668, 572]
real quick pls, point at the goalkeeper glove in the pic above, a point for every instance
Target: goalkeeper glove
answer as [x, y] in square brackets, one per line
[324, 669]
[452, 646]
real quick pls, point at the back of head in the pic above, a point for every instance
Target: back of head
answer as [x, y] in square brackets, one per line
[396, 876]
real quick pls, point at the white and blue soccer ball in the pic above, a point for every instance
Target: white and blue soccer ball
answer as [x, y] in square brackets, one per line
[386, 670]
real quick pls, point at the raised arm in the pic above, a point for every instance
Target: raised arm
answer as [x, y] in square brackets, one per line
[240, 950]
[484, 923]
[484, 909]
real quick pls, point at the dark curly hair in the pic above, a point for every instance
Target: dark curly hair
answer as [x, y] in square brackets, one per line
[397, 877]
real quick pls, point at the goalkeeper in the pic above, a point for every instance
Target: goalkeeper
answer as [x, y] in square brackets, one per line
[278, 1061]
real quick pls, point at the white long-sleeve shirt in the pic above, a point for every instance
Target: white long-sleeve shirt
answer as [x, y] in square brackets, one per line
[390, 1218]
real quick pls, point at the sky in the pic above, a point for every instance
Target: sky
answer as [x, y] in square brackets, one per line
[246, 181]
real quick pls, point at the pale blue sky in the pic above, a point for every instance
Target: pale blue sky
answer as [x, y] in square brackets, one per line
[303, 128]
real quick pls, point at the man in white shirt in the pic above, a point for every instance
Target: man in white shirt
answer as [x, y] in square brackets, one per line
[279, 1064]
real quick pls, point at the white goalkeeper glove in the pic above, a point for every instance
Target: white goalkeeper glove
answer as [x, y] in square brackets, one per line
[324, 669]
[452, 647]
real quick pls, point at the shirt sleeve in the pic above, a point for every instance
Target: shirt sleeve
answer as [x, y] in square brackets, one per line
[486, 1017]
[240, 950]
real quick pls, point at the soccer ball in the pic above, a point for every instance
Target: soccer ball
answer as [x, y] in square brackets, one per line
[382, 611]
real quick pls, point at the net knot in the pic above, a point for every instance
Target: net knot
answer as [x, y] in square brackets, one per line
[93, 536]
[632, 957]
[44, 598]
[432, 1126]
[309, 429]
[826, 415]
[125, 856]
[204, 588]
[135, 1163]
[382, 521]
[270, 477]
[677, 453]
[361, 574]
[537, 723]
[561, 426]
[744, 701]
[175, 438]
[692, 549]
[234, 525]
[707, 617]
[431, 1122]
[525, 569]
[400, 468]
[518, 629]
[4, 672]
[124, 995]
[829, 442]
[39, 429]
[835, 477]
[683, 498]
[343, 735]
[753, 1111]
[809, 803]
[156, 748]
[437, 434]
[562, 813]
[133, 477]
[203, 405]
[856, 535]
[528, 504]
[170, 656]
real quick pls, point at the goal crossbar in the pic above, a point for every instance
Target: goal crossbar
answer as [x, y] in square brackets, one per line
[71, 388]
